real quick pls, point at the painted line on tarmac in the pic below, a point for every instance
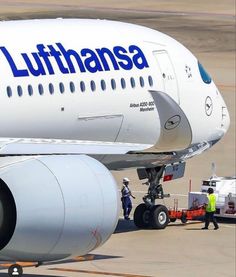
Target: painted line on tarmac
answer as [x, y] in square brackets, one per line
[99, 272]
[88, 257]
[23, 264]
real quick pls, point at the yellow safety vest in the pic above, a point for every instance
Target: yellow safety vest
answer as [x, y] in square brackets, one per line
[211, 207]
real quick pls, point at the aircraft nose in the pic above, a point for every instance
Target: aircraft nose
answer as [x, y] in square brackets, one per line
[223, 115]
[217, 116]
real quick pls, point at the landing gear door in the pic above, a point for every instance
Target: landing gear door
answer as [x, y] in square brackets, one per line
[174, 171]
[168, 74]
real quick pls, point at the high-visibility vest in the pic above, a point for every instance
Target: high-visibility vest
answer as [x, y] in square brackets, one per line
[211, 207]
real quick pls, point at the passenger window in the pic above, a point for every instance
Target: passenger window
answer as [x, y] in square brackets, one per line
[93, 85]
[141, 81]
[40, 88]
[51, 88]
[19, 90]
[150, 81]
[62, 88]
[30, 90]
[113, 84]
[9, 91]
[123, 84]
[72, 87]
[103, 85]
[82, 86]
[132, 82]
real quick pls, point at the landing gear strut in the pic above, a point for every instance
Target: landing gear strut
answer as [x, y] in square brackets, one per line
[148, 214]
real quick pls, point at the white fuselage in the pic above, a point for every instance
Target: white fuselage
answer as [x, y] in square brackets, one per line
[115, 104]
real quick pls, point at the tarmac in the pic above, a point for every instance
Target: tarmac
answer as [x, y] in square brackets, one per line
[207, 28]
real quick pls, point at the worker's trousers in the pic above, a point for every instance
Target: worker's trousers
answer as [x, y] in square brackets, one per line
[127, 206]
[210, 217]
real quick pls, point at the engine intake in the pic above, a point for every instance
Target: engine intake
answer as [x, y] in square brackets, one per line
[7, 215]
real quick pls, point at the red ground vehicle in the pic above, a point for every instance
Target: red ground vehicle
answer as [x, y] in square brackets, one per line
[185, 214]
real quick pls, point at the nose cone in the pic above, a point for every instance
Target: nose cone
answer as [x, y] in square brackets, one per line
[223, 117]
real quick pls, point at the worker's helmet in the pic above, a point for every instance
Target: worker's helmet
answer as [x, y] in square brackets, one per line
[210, 190]
[126, 180]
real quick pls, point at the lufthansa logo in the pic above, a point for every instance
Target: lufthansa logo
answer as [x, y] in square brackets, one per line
[172, 122]
[208, 106]
[49, 59]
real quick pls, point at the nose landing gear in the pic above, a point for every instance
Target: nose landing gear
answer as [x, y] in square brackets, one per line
[148, 214]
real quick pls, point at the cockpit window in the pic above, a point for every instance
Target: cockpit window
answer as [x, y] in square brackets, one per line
[205, 76]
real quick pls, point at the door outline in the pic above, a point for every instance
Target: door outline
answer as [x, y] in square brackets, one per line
[167, 70]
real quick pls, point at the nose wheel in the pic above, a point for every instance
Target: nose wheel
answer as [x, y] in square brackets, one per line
[148, 214]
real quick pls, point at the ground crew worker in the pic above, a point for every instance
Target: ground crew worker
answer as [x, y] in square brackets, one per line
[210, 210]
[126, 198]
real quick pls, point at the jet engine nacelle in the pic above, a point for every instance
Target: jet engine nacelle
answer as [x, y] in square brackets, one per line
[55, 207]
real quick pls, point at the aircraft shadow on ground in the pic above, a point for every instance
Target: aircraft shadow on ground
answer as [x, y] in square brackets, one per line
[180, 224]
[89, 257]
[226, 220]
[125, 226]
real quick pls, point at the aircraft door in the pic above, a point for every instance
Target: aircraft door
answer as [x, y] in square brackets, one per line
[168, 74]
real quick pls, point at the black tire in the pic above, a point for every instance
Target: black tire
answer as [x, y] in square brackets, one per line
[172, 219]
[141, 216]
[159, 217]
[183, 218]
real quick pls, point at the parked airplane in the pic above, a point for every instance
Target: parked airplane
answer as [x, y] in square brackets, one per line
[79, 98]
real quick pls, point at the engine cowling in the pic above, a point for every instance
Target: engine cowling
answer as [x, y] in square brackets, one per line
[55, 207]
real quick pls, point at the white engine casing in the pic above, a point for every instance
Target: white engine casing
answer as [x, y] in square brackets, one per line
[65, 206]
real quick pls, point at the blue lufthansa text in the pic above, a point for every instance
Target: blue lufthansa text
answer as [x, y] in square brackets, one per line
[53, 58]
